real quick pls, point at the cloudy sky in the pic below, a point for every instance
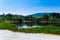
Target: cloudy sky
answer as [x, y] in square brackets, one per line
[26, 7]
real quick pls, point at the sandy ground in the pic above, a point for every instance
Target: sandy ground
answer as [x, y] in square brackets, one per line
[9, 35]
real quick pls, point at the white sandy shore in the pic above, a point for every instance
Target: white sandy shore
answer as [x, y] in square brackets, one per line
[9, 35]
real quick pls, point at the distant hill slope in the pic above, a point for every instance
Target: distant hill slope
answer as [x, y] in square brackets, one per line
[38, 14]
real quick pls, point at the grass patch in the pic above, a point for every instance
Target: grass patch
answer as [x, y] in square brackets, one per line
[46, 29]
[8, 26]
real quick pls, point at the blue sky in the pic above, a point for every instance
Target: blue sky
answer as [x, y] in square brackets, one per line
[26, 7]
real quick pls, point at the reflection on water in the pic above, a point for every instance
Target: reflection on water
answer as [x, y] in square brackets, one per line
[25, 26]
[28, 25]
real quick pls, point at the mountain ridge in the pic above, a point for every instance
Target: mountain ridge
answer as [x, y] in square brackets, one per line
[38, 14]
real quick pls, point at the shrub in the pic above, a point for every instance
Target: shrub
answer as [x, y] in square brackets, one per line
[8, 26]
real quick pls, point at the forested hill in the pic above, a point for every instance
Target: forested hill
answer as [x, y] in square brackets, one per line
[38, 14]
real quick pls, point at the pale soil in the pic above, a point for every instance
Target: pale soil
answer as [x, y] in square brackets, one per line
[9, 35]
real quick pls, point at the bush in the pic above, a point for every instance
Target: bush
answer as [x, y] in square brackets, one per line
[8, 26]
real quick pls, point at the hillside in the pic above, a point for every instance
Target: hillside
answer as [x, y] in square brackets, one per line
[38, 14]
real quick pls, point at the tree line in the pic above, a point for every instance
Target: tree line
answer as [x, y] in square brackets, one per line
[46, 18]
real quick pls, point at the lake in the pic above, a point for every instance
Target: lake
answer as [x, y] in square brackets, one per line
[28, 25]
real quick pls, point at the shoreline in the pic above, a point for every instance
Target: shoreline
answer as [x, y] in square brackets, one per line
[10, 35]
[32, 33]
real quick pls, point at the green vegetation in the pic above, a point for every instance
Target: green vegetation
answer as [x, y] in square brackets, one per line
[50, 22]
[8, 26]
[49, 29]
[45, 29]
